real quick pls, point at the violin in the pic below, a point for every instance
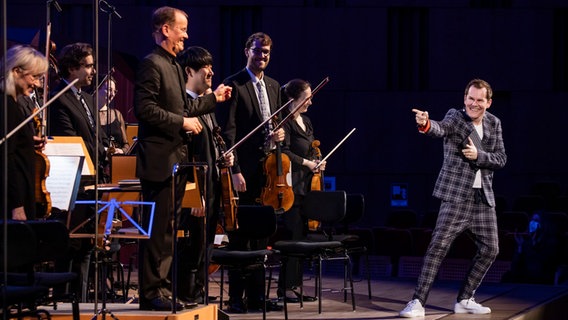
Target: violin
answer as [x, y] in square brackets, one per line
[229, 195]
[316, 182]
[42, 196]
[42, 165]
[277, 191]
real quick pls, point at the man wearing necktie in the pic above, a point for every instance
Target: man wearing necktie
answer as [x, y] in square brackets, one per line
[255, 97]
[72, 115]
[197, 64]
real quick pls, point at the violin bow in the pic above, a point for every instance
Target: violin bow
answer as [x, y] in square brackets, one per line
[335, 148]
[316, 89]
[47, 53]
[261, 125]
[33, 115]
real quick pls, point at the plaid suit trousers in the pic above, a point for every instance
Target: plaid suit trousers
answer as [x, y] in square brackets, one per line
[478, 220]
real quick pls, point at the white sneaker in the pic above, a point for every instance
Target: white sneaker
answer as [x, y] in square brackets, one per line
[470, 306]
[413, 309]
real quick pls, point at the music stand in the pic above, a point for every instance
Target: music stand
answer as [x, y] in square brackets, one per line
[177, 167]
[113, 206]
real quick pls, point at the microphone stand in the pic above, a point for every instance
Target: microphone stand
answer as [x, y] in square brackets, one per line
[110, 10]
[4, 169]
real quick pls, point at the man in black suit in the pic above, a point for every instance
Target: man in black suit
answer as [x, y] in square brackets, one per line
[197, 64]
[251, 90]
[163, 112]
[73, 113]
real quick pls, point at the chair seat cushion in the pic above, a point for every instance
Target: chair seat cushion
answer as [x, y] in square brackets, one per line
[50, 279]
[304, 247]
[336, 237]
[17, 294]
[234, 257]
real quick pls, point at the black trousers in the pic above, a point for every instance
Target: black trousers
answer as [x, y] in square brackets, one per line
[156, 253]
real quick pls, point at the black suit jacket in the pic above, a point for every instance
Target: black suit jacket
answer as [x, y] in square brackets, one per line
[67, 117]
[240, 115]
[204, 149]
[160, 102]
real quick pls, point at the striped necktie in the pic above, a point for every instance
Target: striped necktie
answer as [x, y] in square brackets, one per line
[87, 110]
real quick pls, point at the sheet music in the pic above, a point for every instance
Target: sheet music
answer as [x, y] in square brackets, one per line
[66, 149]
[63, 180]
[70, 146]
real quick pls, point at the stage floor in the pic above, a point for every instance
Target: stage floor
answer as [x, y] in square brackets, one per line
[389, 296]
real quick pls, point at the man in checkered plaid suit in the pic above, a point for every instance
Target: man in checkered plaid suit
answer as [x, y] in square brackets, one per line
[473, 149]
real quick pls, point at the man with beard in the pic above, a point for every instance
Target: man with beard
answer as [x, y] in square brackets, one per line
[255, 97]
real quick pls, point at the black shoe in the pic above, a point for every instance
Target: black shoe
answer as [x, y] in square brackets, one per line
[187, 303]
[292, 300]
[237, 307]
[305, 298]
[291, 296]
[308, 298]
[270, 306]
[160, 303]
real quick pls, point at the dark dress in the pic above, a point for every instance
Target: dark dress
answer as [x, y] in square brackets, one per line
[298, 147]
[115, 129]
[21, 160]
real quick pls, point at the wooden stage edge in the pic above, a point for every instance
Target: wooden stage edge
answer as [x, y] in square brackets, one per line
[131, 311]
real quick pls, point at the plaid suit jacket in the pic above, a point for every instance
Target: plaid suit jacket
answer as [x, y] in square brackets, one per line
[456, 177]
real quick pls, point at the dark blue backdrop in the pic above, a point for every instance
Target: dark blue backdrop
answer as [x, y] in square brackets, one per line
[383, 58]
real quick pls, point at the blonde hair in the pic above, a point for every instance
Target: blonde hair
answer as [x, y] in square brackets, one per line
[24, 57]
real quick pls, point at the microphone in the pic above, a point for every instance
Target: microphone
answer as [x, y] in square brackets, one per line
[109, 8]
[55, 4]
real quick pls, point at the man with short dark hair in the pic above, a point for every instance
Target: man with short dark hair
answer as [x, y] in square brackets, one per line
[473, 150]
[197, 64]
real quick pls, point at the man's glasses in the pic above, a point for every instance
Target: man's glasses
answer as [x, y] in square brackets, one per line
[259, 51]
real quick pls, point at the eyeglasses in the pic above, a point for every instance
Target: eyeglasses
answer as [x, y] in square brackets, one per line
[35, 77]
[259, 51]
